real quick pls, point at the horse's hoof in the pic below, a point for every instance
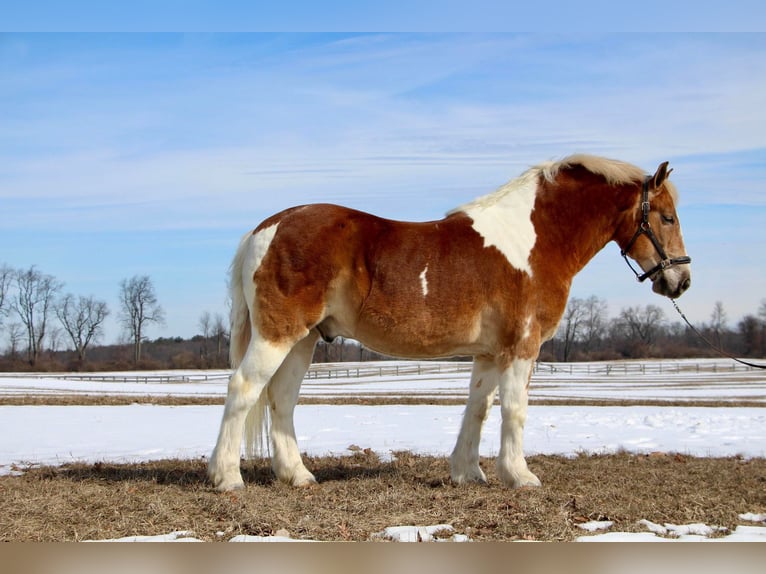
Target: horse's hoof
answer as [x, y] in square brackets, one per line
[476, 476]
[305, 481]
[225, 482]
[526, 479]
[518, 478]
[229, 486]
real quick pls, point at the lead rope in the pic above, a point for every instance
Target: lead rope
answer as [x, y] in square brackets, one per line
[712, 346]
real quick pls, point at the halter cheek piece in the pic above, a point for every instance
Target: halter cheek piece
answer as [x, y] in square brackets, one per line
[645, 229]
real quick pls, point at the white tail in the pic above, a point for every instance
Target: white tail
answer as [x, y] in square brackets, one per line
[240, 313]
[257, 421]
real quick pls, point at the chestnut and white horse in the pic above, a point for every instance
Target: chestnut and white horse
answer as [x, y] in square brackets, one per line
[490, 280]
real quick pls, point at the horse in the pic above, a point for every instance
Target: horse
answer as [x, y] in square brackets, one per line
[490, 280]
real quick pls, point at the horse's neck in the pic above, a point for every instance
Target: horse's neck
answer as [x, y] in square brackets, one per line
[573, 225]
[561, 226]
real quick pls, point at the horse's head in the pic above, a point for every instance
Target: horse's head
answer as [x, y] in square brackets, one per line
[654, 239]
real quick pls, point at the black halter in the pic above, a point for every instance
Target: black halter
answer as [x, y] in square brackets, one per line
[645, 229]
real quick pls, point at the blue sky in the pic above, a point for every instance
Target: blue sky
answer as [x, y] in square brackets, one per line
[125, 154]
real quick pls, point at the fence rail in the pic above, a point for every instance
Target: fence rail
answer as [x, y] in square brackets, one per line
[124, 377]
[413, 368]
[358, 370]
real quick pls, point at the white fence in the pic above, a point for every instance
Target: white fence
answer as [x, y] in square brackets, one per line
[414, 368]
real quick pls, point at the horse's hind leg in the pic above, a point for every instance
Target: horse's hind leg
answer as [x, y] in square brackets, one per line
[283, 396]
[248, 381]
[464, 461]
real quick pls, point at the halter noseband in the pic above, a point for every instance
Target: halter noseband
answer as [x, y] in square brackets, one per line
[645, 229]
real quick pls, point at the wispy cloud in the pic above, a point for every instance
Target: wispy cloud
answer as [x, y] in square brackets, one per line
[377, 108]
[173, 132]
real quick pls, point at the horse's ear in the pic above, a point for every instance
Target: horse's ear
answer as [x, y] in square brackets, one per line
[661, 175]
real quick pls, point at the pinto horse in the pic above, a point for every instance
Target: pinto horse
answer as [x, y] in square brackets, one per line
[490, 280]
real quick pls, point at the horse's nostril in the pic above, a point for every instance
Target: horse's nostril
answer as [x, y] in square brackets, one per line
[684, 285]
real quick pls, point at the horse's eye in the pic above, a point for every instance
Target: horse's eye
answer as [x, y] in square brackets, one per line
[669, 219]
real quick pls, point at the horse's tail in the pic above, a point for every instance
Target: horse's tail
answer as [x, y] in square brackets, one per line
[257, 421]
[240, 312]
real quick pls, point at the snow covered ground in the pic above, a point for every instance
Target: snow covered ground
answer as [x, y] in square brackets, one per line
[34, 435]
[61, 434]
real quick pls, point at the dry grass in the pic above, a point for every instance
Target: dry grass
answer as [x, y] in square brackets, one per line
[359, 495]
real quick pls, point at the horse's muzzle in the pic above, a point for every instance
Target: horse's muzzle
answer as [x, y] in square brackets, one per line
[672, 282]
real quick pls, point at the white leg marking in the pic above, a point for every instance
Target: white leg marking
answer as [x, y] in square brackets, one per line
[424, 281]
[464, 462]
[283, 394]
[504, 219]
[511, 466]
[245, 387]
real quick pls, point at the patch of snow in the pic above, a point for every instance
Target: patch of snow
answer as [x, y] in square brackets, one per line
[696, 529]
[653, 527]
[177, 536]
[681, 533]
[247, 538]
[594, 525]
[420, 534]
[746, 534]
[621, 537]
[750, 517]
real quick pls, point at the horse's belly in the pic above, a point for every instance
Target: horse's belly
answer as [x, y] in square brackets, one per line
[418, 337]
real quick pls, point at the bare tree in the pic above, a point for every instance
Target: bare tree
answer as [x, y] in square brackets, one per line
[205, 325]
[753, 332]
[221, 334]
[718, 321]
[82, 319]
[139, 306]
[53, 336]
[33, 304]
[571, 325]
[594, 322]
[15, 336]
[6, 278]
[642, 324]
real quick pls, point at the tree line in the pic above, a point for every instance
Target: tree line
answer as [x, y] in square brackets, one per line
[586, 332]
[37, 319]
[36, 314]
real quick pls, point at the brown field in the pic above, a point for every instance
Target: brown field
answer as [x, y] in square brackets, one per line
[359, 495]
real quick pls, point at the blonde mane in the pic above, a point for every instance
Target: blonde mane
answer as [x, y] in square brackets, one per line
[615, 172]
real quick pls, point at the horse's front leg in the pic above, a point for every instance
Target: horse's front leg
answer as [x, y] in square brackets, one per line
[464, 462]
[514, 395]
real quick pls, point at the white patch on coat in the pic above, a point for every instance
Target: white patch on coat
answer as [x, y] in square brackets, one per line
[424, 281]
[256, 250]
[259, 246]
[504, 219]
[527, 328]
